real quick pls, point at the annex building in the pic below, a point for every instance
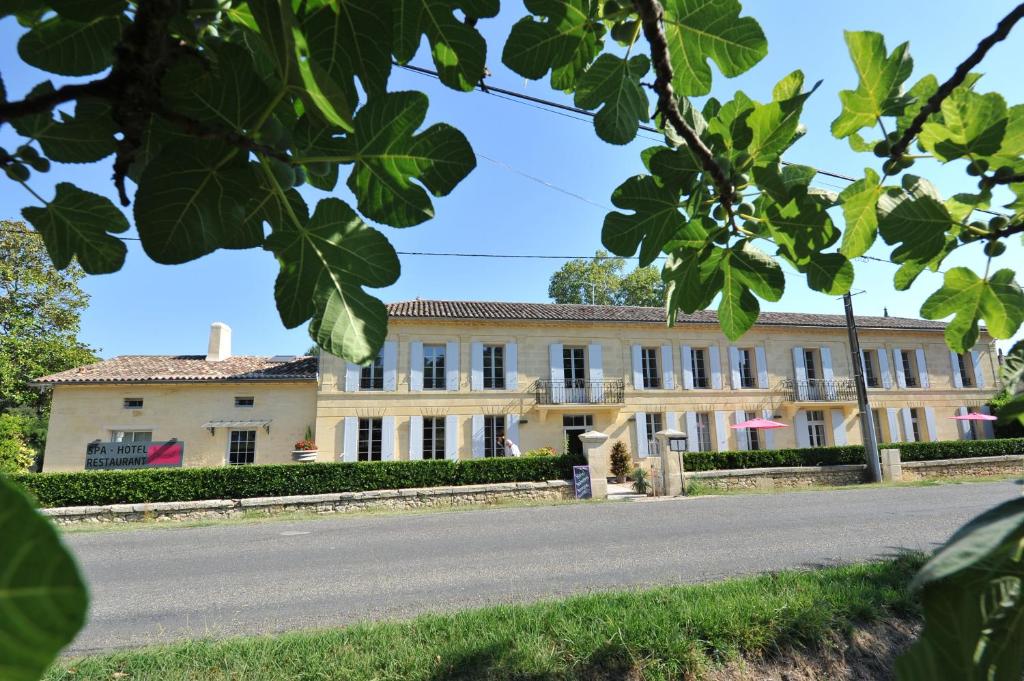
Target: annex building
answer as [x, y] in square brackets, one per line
[453, 377]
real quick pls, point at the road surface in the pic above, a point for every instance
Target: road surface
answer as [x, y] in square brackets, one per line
[157, 585]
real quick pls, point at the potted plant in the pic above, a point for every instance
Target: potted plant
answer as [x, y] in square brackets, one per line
[641, 482]
[305, 449]
[622, 461]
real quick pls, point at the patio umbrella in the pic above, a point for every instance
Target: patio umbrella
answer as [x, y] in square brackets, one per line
[759, 423]
[975, 416]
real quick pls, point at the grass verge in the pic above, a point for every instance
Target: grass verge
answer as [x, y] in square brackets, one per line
[662, 633]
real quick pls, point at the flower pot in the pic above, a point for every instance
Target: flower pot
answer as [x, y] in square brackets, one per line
[305, 455]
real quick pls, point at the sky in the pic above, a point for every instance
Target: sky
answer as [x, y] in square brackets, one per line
[541, 186]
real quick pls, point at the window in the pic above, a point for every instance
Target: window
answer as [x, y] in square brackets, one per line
[871, 368]
[745, 358]
[915, 425]
[371, 432]
[578, 421]
[573, 365]
[876, 415]
[433, 367]
[371, 376]
[132, 436]
[753, 434]
[494, 427]
[245, 401]
[909, 368]
[810, 363]
[433, 437]
[816, 428]
[699, 364]
[703, 434]
[133, 403]
[494, 367]
[241, 447]
[655, 422]
[649, 367]
[966, 367]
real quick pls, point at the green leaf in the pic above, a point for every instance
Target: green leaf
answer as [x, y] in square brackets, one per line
[878, 90]
[43, 599]
[1012, 146]
[71, 48]
[87, 10]
[774, 125]
[352, 38]
[998, 301]
[86, 137]
[801, 227]
[917, 96]
[916, 217]
[729, 128]
[1012, 372]
[77, 224]
[859, 201]
[614, 85]
[829, 273]
[192, 200]
[458, 49]
[738, 308]
[388, 156]
[675, 168]
[693, 277]
[656, 218]
[225, 92]
[972, 125]
[757, 271]
[276, 27]
[565, 41]
[324, 265]
[697, 30]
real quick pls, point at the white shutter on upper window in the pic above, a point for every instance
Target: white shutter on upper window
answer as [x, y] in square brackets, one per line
[387, 438]
[352, 374]
[668, 374]
[722, 430]
[929, 418]
[557, 369]
[642, 447]
[716, 367]
[351, 439]
[740, 433]
[892, 416]
[954, 367]
[826, 364]
[762, 367]
[596, 361]
[897, 364]
[686, 359]
[883, 367]
[451, 366]
[511, 366]
[800, 373]
[638, 371]
[389, 357]
[803, 437]
[979, 373]
[478, 436]
[415, 438]
[451, 437]
[734, 368]
[692, 436]
[922, 369]
[838, 427]
[416, 366]
[476, 366]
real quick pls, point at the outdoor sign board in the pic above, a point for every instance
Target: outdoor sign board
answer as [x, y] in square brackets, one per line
[107, 456]
[581, 480]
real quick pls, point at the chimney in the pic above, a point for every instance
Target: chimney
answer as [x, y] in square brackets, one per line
[220, 342]
[885, 313]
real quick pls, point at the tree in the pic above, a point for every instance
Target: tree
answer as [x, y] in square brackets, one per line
[40, 312]
[643, 286]
[600, 282]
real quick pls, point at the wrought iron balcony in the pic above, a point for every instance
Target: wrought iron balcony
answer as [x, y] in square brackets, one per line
[819, 390]
[578, 391]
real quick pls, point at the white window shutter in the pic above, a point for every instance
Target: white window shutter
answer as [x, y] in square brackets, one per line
[416, 438]
[892, 415]
[979, 373]
[416, 366]
[596, 361]
[897, 363]
[803, 438]
[387, 438]
[838, 427]
[883, 367]
[390, 361]
[672, 420]
[762, 367]
[352, 373]
[768, 434]
[990, 432]
[642, 447]
[351, 439]
[686, 359]
[722, 430]
[451, 437]
[963, 426]
[800, 373]
[826, 364]
[741, 433]
[922, 370]
[692, 444]
[668, 373]
[512, 428]
[511, 366]
[478, 436]
[716, 367]
[908, 425]
[734, 368]
[638, 373]
[476, 366]
[557, 368]
[954, 367]
[451, 366]
[929, 417]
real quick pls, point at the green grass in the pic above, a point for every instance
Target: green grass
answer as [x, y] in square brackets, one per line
[662, 633]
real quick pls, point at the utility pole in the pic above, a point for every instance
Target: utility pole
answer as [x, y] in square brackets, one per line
[867, 421]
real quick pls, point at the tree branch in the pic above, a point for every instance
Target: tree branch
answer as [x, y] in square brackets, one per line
[1008, 231]
[651, 13]
[935, 101]
[236, 139]
[46, 102]
[1008, 179]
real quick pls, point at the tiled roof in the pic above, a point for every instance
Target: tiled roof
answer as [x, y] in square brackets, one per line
[192, 368]
[456, 309]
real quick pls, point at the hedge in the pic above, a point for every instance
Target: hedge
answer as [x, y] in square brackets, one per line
[93, 488]
[852, 454]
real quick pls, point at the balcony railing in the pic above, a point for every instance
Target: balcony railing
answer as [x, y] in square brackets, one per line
[577, 391]
[819, 390]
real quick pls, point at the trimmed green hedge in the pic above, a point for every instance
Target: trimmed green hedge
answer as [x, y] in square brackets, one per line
[833, 456]
[94, 488]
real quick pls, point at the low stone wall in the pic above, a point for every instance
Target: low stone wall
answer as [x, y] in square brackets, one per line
[342, 502]
[770, 478]
[956, 468]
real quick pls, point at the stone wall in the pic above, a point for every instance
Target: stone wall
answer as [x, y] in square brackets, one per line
[781, 477]
[343, 502]
[956, 468]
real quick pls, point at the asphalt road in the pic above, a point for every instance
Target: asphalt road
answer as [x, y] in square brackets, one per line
[156, 585]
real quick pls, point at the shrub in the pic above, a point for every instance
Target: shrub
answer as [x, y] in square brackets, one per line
[622, 461]
[87, 488]
[641, 483]
[541, 451]
[20, 440]
[957, 449]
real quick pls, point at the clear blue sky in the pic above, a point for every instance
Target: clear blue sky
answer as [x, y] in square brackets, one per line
[150, 309]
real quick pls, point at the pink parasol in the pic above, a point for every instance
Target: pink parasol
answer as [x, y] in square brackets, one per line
[975, 416]
[759, 424]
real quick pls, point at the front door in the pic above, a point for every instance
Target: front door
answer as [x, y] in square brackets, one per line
[574, 425]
